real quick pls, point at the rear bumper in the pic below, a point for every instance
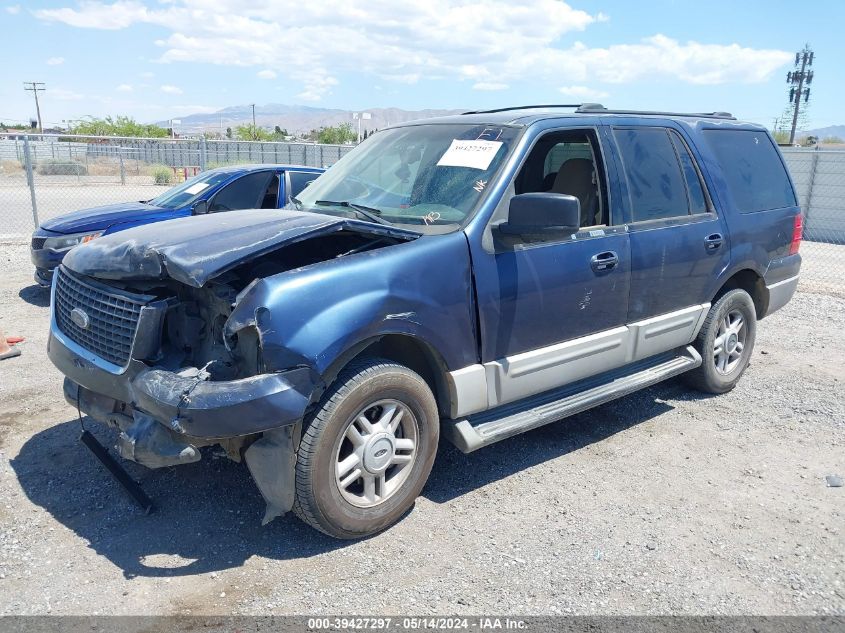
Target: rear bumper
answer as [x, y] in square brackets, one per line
[188, 406]
[781, 281]
[780, 293]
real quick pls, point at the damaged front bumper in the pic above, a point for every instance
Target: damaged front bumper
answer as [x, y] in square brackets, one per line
[190, 405]
[164, 417]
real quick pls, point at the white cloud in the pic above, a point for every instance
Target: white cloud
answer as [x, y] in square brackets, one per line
[317, 86]
[582, 92]
[487, 42]
[99, 15]
[171, 90]
[124, 88]
[489, 85]
[13, 9]
[55, 61]
[266, 74]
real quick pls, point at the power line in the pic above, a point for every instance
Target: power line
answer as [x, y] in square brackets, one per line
[35, 87]
[796, 80]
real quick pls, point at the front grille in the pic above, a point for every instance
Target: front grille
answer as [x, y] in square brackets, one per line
[38, 243]
[112, 317]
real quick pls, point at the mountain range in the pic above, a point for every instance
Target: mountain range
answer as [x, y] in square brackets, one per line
[826, 132]
[302, 119]
[295, 118]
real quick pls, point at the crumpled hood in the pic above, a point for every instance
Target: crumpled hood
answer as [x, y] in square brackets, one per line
[193, 250]
[98, 218]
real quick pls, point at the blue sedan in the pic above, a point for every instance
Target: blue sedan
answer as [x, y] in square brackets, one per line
[212, 191]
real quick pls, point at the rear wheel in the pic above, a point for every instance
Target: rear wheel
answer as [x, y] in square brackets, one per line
[367, 451]
[725, 343]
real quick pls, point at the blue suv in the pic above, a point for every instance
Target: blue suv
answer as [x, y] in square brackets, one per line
[477, 275]
[221, 189]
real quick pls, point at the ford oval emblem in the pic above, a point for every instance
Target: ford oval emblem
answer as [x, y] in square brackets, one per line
[380, 453]
[80, 318]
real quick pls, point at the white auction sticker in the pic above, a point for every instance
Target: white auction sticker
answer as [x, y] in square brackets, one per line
[473, 154]
[197, 188]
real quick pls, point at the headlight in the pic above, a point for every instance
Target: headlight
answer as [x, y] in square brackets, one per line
[69, 241]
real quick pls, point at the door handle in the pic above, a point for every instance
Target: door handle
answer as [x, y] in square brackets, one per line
[713, 242]
[604, 261]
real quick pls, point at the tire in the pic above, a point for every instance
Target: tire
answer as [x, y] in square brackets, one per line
[337, 443]
[722, 367]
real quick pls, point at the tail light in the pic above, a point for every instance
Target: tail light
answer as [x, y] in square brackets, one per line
[797, 234]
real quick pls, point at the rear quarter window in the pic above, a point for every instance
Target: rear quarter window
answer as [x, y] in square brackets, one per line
[299, 180]
[752, 168]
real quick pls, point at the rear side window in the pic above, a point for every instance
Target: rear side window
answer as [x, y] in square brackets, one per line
[655, 181]
[299, 180]
[752, 168]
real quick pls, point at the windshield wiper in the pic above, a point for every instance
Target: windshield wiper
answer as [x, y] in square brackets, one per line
[296, 202]
[371, 213]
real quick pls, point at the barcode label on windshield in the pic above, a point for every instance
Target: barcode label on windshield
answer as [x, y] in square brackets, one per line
[472, 154]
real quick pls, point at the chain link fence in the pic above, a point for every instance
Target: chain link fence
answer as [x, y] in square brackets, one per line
[819, 177]
[45, 176]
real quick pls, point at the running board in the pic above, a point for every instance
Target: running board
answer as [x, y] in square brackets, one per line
[482, 429]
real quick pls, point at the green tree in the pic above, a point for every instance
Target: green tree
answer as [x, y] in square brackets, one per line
[781, 137]
[228, 132]
[336, 135]
[252, 132]
[830, 140]
[117, 126]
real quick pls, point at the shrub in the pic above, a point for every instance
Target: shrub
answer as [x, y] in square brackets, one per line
[62, 167]
[162, 174]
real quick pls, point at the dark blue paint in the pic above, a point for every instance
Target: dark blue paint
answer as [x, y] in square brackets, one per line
[420, 288]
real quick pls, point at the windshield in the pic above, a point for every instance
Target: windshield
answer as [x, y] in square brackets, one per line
[430, 177]
[190, 190]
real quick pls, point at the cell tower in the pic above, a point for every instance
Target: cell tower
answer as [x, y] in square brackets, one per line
[799, 81]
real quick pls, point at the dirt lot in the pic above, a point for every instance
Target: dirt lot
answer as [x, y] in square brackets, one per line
[662, 502]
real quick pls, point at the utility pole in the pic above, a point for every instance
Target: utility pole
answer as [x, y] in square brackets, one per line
[796, 80]
[254, 129]
[35, 87]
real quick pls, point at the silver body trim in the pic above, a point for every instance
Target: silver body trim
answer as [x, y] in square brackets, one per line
[526, 374]
[780, 293]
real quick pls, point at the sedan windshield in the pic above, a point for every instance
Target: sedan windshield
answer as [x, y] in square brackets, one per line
[429, 176]
[189, 191]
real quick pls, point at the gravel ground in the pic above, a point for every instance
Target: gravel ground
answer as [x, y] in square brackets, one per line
[662, 502]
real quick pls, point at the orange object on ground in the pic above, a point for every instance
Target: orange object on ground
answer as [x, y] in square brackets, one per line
[6, 351]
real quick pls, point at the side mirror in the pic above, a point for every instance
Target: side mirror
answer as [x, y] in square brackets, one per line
[200, 207]
[542, 213]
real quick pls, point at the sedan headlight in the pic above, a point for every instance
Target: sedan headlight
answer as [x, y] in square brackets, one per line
[66, 242]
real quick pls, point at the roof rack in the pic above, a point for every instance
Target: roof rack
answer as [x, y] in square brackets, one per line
[597, 108]
[532, 107]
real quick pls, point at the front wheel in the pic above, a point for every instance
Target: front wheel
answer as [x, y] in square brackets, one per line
[367, 450]
[725, 342]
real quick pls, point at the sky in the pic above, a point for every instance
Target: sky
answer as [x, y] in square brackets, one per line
[161, 59]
